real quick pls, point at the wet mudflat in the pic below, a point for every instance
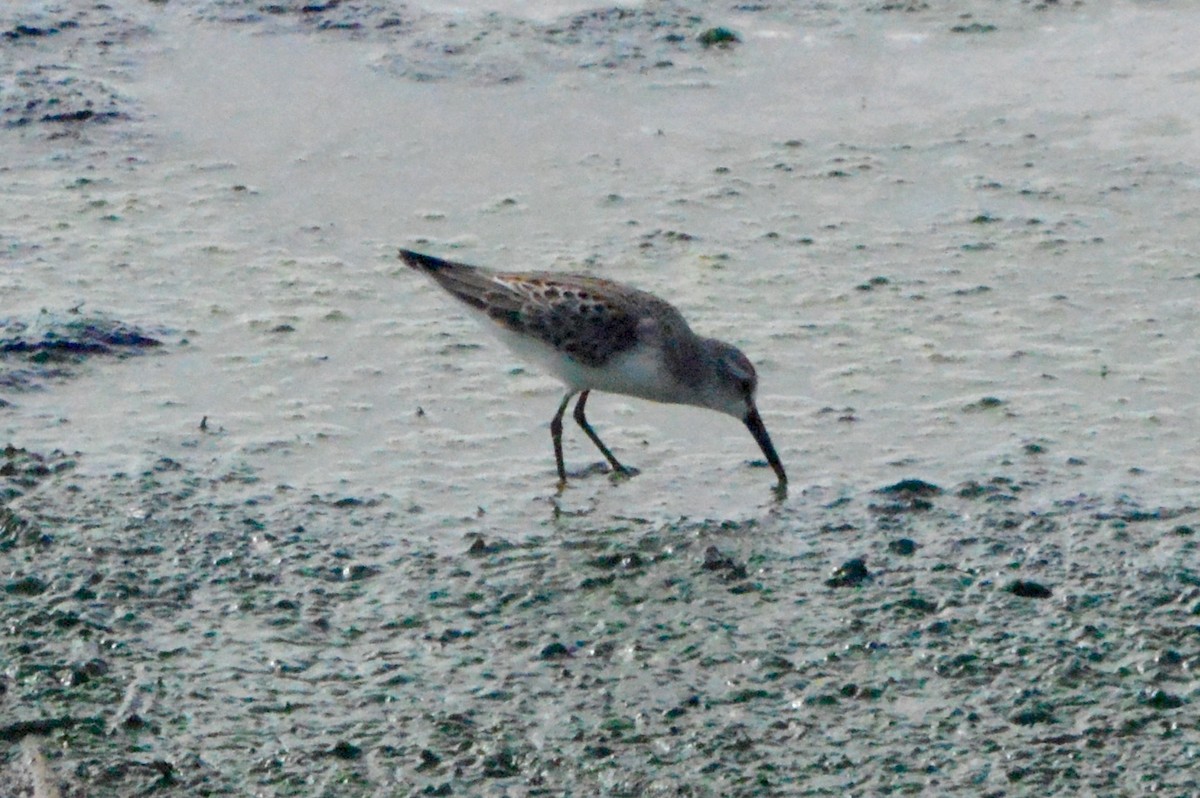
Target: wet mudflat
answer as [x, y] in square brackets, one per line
[200, 635]
[308, 543]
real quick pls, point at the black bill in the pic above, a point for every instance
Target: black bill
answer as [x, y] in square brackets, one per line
[755, 424]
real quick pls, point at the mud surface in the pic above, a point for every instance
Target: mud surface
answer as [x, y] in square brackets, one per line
[310, 543]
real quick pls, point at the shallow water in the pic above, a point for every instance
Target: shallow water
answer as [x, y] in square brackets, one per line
[1009, 215]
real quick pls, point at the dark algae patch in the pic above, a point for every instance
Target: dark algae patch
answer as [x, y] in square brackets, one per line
[52, 345]
[70, 338]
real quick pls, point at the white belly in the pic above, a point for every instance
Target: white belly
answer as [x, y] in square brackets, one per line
[639, 372]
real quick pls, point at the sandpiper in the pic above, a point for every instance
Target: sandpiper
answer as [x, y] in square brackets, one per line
[597, 335]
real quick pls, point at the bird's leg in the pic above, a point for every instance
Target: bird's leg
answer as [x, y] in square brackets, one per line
[591, 433]
[556, 436]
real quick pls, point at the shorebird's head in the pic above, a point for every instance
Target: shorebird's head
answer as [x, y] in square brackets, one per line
[732, 392]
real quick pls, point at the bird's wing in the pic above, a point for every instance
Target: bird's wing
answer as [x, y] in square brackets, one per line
[588, 318]
[585, 317]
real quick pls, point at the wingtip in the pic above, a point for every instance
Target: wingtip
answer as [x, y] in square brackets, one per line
[418, 261]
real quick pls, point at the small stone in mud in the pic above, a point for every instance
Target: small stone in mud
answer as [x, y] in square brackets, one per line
[974, 27]
[29, 30]
[358, 572]
[718, 37]
[911, 487]
[1041, 713]
[605, 648]
[1161, 699]
[1027, 589]
[555, 651]
[133, 721]
[904, 547]
[454, 635]
[997, 490]
[619, 560]
[851, 573]
[27, 586]
[346, 750]
[714, 560]
[597, 751]
[873, 283]
[909, 497]
[918, 604]
[986, 403]
[428, 760]
[481, 547]
[501, 765]
[972, 489]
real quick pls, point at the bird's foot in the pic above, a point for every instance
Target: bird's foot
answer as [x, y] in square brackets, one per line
[620, 472]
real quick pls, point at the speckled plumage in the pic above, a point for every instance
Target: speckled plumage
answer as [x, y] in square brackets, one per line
[572, 313]
[588, 318]
[596, 334]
